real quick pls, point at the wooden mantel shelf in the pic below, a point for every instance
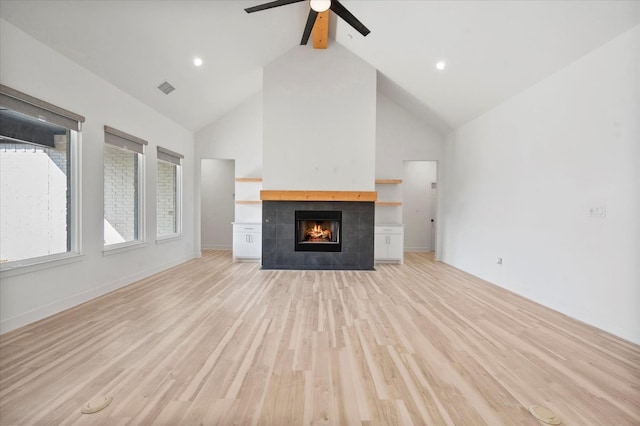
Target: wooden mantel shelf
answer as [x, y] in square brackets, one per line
[364, 196]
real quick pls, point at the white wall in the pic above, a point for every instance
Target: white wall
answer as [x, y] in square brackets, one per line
[29, 66]
[235, 136]
[319, 121]
[400, 137]
[217, 188]
[522, 178]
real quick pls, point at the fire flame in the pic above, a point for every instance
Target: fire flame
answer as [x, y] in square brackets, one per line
[316, 233]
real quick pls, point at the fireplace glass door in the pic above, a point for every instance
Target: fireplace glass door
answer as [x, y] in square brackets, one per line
[318, 230]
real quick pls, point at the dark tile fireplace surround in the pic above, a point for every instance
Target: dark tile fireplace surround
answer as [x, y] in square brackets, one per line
[279, 236]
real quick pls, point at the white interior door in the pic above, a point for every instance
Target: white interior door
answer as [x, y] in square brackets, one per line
[419, 205]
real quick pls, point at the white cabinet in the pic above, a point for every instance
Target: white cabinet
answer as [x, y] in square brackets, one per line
[389, 243]
[247, 241]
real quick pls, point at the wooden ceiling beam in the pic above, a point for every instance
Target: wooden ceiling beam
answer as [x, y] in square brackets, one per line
[321, 30]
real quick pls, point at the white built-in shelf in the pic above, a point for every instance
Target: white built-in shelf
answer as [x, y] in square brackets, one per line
[388, 182]
[248, 180]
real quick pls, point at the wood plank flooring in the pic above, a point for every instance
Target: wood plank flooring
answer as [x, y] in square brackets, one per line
[215, 342]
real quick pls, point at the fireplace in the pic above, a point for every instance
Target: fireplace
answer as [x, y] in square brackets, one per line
[318, 230]
[353, 237]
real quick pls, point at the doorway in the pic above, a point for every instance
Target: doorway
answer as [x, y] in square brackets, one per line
[217, 203]
[419, 205]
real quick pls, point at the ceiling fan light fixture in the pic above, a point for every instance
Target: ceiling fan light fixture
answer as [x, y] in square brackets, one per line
[320, 5]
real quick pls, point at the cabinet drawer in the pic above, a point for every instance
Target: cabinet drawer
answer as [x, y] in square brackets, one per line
[388, 230]
[248, 228]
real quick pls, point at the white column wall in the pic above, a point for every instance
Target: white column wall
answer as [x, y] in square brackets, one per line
[319, 121]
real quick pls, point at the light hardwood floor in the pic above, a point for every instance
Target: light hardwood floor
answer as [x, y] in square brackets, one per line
[215, 342]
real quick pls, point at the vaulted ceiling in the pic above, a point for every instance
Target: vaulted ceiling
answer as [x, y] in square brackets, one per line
[492, 49]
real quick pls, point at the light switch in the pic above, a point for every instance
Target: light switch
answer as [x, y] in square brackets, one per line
[600, 211]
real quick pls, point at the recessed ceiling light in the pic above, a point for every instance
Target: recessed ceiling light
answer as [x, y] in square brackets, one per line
[197, 62]
[441, 65]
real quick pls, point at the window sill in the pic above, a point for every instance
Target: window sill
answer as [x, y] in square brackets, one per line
[10, 269]
[122, 247]
[168, 238]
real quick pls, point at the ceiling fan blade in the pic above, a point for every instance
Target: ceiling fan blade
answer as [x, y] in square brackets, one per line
[269, 5]
[342, 12]
[311, 20]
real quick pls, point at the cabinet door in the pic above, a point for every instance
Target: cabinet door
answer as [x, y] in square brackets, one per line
[380, 246]
[246, 244]
[239, 244]
[254, 247]
[396, 246]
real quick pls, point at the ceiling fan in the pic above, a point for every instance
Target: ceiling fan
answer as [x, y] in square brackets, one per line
[316, 6]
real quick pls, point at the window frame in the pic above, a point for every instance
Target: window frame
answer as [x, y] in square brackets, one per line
[23, 103]
[136, 145]
[168, 156]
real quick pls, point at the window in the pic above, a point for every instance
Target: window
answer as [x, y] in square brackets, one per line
[168, 194]
[123, 188]
[39, 172]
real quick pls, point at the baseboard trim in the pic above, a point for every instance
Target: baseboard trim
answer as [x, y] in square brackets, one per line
[216, 247]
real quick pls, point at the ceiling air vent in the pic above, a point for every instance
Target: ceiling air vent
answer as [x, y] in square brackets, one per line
[166, 88]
